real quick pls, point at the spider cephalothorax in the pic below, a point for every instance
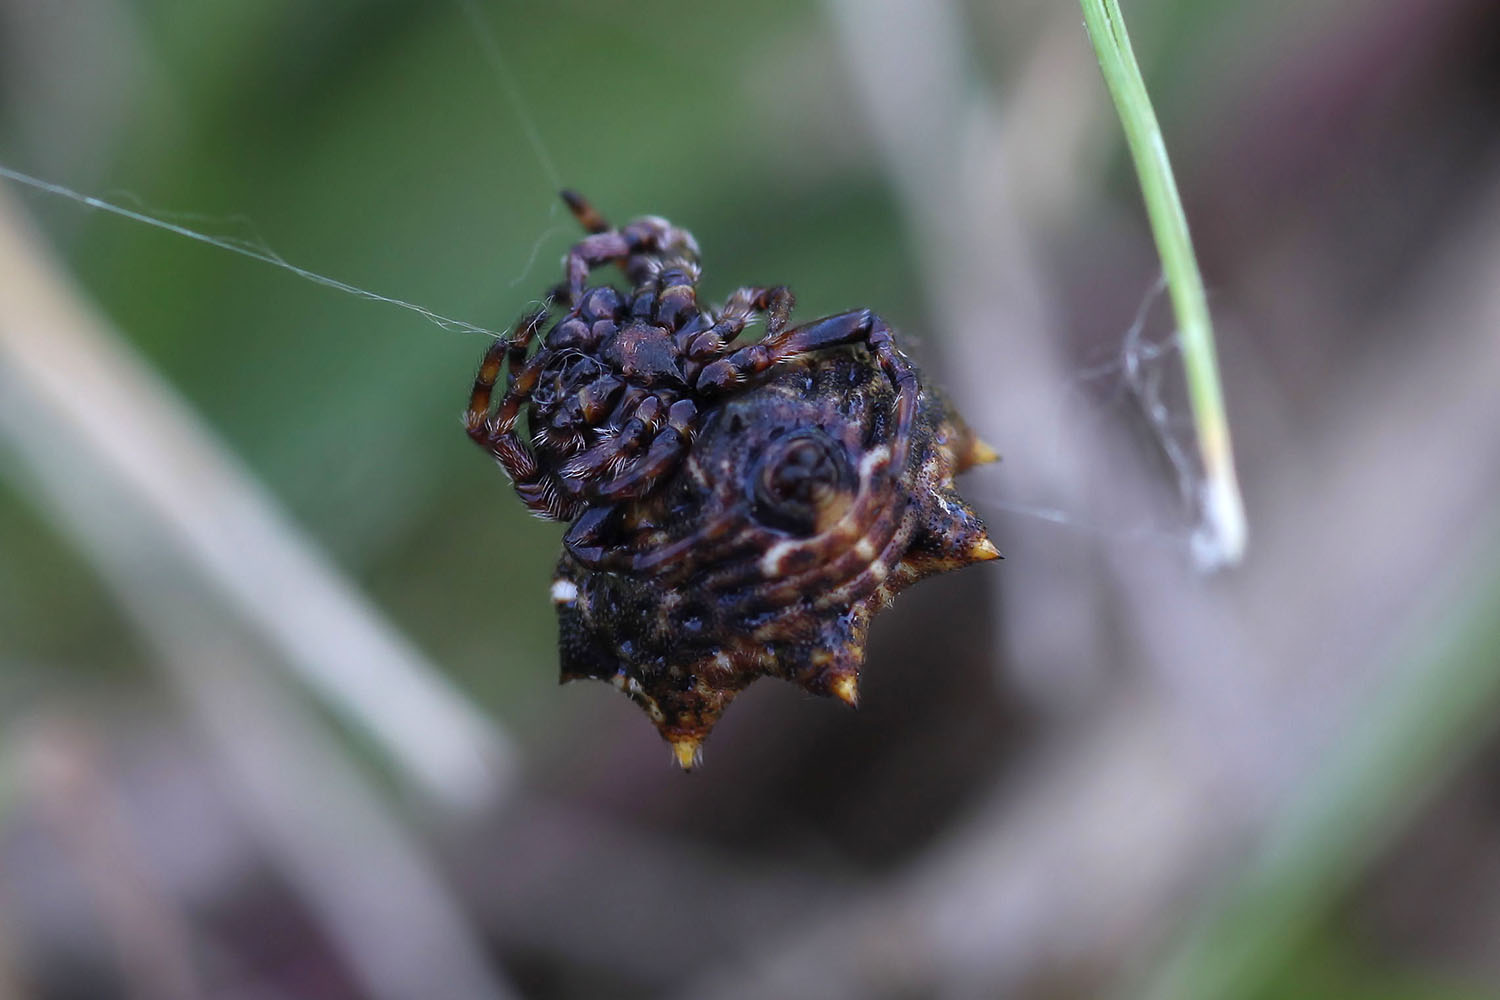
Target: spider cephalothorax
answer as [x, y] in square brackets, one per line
[736, 510]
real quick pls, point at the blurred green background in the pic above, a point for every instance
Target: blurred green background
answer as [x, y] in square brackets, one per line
[1339, 165]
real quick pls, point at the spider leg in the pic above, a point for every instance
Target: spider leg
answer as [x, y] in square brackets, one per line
[858, 326]
[581, 472]
[588, 217]
[653, 234]
[584, 540]
[709, 542]
[743, 303]
[637, 246]
[593, 223]
[540, 491]
[590, 252]
[666, 450]
[510, 349]
[529, 325]
[496, 432]
[678, 296]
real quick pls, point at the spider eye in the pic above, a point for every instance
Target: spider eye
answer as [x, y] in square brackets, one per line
[802, 484]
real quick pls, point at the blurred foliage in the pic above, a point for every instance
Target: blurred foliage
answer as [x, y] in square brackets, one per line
[1330, 967]
[370, 140]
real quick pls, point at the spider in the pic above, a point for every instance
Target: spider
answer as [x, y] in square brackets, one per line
[617, 386]
[736, 511]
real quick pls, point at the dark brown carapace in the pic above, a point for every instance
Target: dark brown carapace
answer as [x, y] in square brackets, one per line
[736, 510]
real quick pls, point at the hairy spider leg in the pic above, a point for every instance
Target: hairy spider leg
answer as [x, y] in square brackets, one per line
[645, 415]
[638, 246]
[666, 450]
[634, 466]
[588, 217]
[495, 432]
[653, 234]
[710, 541]
[776, 303]
[857, 326]
[638, 478]
[591, 252]
[510, 349]
[647, 236]
[677, 295]
[529, 325]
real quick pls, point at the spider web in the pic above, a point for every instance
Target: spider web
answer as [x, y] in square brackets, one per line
[1143, 383]
[1137, 385]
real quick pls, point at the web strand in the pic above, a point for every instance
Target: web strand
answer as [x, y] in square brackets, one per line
[1063, 519]
[244, 249]
[1128, 365]
[1136, 375]
[490, 44]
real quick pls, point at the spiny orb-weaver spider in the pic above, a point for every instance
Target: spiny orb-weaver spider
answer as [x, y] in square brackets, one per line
[736, 510]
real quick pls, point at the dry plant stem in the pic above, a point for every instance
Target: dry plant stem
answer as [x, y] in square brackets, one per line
[1220, 540]
[233, 539]
[369, 883]
[379, 899]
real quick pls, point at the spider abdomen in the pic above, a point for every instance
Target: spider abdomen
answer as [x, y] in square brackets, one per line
[771, 547]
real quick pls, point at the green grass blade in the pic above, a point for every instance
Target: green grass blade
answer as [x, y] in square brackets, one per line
[1220, 539]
